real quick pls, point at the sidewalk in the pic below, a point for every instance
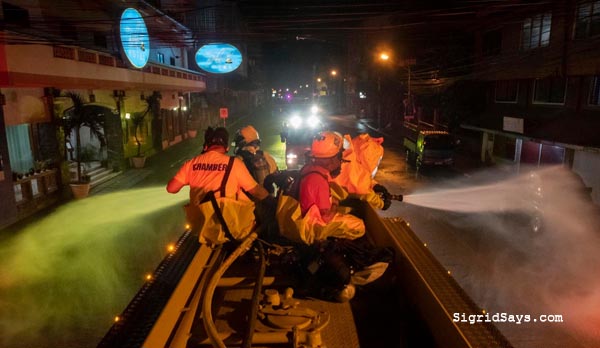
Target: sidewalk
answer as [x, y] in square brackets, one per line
[157, 170]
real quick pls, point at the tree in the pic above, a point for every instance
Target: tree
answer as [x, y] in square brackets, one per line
[81, 116]
[138, 118]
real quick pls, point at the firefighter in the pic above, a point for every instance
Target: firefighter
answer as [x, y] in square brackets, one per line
[337, 242]
[219, 209]
[247, 148]
[314, 190]
[206, 171]
[362, 157]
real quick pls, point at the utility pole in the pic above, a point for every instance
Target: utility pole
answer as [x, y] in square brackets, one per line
[407, 63]
[378, 100]
[313, 83]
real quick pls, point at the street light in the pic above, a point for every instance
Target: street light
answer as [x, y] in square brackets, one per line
[384, 57]
[335, 88]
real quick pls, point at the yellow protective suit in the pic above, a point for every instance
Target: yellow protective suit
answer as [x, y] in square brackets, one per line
[364, 155]
[311, 227]
[239, 215]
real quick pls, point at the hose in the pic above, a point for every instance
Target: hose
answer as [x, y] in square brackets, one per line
[209, 324]
[247, 342]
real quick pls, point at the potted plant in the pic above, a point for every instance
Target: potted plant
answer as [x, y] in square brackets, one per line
[81, 188]
[74, 118]
[193, 124]
[137, 120]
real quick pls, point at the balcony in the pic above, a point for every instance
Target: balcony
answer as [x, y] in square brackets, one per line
[74, 68]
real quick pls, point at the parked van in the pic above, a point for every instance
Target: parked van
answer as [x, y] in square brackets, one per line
[425, 146]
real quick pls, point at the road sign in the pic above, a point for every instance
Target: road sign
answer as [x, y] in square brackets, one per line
[223, 112]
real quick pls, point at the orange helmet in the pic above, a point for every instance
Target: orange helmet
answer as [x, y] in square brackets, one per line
[326, 144]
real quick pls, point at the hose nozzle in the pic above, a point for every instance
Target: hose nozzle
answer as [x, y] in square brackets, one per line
[396, 197]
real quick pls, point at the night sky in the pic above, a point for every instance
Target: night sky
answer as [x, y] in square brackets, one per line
[301, 39]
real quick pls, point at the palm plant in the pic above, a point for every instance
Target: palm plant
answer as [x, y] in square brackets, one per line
[79, 116]
[137, 119]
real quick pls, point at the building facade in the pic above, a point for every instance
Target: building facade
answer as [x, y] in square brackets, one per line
[50, 48]
[539, 63]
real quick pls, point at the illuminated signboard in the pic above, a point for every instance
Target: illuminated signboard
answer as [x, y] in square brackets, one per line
[134, 38]
[218, 58]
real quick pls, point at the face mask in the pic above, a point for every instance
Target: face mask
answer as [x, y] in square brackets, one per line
[336, 172]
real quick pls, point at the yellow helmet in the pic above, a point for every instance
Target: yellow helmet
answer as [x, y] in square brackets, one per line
[246, 136]
[326, 144]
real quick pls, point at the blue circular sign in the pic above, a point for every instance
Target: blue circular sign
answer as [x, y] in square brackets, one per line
[218, 58]
[134, 38]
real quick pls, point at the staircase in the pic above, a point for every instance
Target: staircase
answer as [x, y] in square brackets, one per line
[97, 173]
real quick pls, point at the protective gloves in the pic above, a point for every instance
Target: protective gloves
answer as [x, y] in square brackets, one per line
[384, 194]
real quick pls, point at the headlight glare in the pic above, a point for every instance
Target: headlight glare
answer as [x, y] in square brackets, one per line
[296, 121]
[313, 121]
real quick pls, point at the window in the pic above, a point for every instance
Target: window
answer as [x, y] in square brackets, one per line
[492, 43]
[172, 61]
[536, 31]
[595, 91]
[19, 148]
[588, 20]
[550, 90]
[160, 57]
[506, 91]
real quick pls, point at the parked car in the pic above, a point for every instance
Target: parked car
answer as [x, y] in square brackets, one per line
[426, 146]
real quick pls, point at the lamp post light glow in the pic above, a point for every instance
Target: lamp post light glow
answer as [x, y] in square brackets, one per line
[384, 57]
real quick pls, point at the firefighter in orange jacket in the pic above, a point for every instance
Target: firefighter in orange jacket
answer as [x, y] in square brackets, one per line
[206, 171]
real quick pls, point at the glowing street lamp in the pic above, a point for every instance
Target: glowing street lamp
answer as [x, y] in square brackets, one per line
[336, 88]
[383, 57]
